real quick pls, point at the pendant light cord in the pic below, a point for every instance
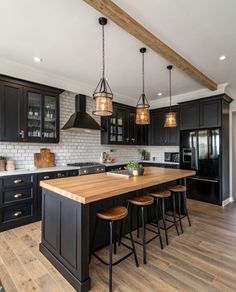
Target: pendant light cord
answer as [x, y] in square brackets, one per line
[170, 87]
[143, 72]
[103, 52]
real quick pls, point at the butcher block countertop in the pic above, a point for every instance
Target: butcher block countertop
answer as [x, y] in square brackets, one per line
[90, 188]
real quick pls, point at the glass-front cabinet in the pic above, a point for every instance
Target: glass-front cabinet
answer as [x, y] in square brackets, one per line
[50, 117]
[34, 115]
[116, 124]
[42, 116]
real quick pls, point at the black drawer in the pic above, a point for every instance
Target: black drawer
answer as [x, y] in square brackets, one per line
[61, 174]
[73, 172]
[17, 180]
[17, 212]
[46, 176]
[16, 195]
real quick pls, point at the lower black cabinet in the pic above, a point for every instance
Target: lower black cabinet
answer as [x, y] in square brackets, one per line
[21, 197]
[17, 201]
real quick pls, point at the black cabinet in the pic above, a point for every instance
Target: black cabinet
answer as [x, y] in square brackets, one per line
[21, 197]
[29, 112]
[17, 201]
[47, 176]
[11, 111]
[202, 113]
[189, 116]
[210, 113]
[121, 129]
[158, 134]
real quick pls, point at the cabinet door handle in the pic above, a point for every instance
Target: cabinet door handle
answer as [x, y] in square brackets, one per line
[22, 134]
[17, 214]
[17, 181]
[127, 139]
[16, 196]
[133, 139]
[46, 177]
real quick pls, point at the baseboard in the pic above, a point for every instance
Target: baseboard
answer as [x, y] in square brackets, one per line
[227, 201]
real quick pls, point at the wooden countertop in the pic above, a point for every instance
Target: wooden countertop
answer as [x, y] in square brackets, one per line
[90, 188]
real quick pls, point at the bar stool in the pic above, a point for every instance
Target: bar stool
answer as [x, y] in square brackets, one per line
[181, 190]
[162, 195]
[117, 213]
[142, 202]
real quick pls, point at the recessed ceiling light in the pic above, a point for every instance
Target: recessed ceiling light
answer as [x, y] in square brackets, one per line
[222, 58]
[159, 94]
[37, 59]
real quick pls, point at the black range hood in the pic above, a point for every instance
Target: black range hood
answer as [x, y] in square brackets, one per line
[81, 121]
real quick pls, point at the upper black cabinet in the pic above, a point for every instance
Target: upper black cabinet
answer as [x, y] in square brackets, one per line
[121, 129]
[11, 111]
[210, 113]
[189, 115]
[202, 113]
[158, 134]
[29, 112]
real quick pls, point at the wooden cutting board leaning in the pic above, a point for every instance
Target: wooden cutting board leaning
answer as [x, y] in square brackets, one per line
[44, 159]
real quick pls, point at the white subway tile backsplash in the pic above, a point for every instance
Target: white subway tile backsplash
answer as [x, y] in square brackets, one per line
[76, 147]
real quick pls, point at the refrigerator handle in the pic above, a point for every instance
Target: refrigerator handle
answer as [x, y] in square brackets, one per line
[194, 159]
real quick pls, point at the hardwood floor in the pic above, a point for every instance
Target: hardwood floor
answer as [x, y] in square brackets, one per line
[201, 259]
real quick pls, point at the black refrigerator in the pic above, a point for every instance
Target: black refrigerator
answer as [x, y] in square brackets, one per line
[200, 150]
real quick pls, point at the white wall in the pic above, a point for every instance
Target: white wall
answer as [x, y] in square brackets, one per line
[75, 147]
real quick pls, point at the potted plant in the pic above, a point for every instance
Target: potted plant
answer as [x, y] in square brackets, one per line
[144, 154]
[134, 168]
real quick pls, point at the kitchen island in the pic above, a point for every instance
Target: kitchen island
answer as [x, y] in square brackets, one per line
[69, 209]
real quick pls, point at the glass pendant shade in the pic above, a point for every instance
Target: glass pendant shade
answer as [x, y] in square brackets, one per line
[170, 120]
[142, 111]
[142, 116]
[102, 96]
[142, 108]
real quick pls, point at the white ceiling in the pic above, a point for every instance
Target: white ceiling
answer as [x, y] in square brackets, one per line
[66, 35]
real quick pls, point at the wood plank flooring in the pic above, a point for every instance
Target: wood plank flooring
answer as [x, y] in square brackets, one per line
[201, 259]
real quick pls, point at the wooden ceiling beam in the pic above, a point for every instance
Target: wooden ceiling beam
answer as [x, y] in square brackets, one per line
[130, 25]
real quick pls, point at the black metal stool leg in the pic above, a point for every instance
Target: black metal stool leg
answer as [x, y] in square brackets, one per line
[110, 256]
[179, 209]
[186, 210]
[115, 247]
[164, 220]
[120, 234]
[93, 240]
[138, 222]
[144, 236]
[134, 250]
[158, 226]
[174, 213]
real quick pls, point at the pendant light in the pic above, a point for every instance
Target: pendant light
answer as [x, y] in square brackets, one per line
[102, 105]
[142, 107]
[170, 117]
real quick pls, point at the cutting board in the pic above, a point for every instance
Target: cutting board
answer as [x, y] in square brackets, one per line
[119, 173]
[44, 159]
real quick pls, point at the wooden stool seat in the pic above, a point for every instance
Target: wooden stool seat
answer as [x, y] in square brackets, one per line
[141, 200]
[178, 189]
[161, 194]
[113, 213]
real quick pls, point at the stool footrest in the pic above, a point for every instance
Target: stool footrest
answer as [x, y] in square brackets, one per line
[115, 263]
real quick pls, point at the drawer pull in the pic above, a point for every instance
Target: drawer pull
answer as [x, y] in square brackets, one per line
[16, 196]
[17, 214]
[17, 181]
[46, 177]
